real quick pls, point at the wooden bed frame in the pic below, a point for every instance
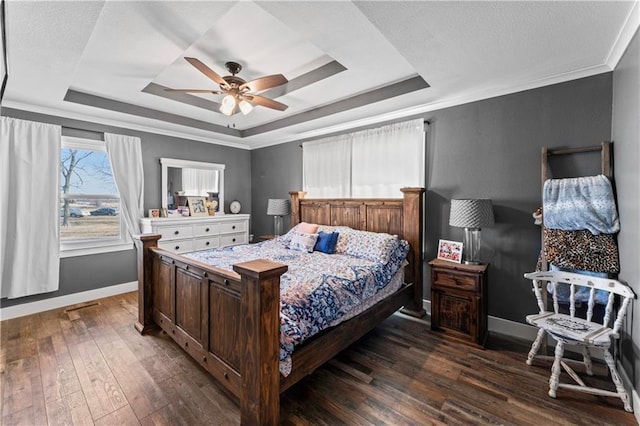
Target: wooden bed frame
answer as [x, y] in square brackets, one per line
[230, 322]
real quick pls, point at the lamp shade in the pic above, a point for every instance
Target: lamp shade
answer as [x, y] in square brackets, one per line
[471, 213]
[277, 207]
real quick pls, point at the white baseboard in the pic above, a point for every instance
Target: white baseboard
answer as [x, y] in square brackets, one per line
[61, 301]
[628, 385]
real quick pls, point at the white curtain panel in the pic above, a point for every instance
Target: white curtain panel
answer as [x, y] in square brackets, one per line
[198, 181]
[30, 207]
[372, 163]
[386, 159]
[326, 167]
[125, 155]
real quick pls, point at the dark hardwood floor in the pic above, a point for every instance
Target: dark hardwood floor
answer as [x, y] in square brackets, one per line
[87, 365]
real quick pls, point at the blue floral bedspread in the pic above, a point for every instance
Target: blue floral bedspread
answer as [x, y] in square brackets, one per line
[318, 291]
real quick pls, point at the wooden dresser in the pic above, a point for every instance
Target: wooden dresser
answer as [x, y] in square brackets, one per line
[183, 234]
[459, 301]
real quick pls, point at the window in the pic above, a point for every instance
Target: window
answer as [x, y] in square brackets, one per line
[90, 219]
[369, 163]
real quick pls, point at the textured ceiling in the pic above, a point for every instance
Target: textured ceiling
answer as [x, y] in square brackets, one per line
[348, 63]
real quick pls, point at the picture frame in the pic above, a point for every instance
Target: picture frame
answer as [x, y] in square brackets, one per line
[450, 251]
[197, 206]
[154, 213]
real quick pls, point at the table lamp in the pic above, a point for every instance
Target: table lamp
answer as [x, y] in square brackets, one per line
[277, 208]
[472, 215]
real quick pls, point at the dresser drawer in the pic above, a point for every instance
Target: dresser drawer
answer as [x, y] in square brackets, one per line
[202, 229]
[233, 239]
[456, 280]
[228, 227]
[174, 232]
[178, 246]
[204, 243]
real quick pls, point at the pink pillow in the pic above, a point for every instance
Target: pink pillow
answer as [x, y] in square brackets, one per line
[307, 228]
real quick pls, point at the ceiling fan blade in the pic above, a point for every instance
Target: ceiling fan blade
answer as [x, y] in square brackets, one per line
[265, 102]
[206, 71]
[215, 92]
[264, 83]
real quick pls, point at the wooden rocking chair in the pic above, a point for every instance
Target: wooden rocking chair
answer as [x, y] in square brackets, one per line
[571, 329]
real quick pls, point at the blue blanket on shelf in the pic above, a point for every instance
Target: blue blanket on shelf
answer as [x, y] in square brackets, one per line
[573, 204]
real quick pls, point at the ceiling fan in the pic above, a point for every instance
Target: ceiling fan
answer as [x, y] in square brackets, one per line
[238, 91]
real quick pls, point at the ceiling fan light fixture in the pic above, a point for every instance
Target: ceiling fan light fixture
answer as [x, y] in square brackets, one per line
[245, 107]
[228, 105]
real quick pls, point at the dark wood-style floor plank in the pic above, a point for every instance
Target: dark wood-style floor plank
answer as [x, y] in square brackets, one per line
[86, 364]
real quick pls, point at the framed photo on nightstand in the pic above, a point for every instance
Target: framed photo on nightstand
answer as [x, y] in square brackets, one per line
[450, 250]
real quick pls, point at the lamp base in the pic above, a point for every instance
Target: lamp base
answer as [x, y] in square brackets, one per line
[471, 246]
[277, 226]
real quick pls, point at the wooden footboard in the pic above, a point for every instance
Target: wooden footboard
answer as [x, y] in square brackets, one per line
[229, 322]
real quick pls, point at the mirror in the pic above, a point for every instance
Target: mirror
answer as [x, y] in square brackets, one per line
[181, 178]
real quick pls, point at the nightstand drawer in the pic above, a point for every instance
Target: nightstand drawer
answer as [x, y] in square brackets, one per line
[456, 280]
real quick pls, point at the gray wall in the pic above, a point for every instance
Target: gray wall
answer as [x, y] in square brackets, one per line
[485, 149]
[276, 170]
[626, 146]
[84, 273]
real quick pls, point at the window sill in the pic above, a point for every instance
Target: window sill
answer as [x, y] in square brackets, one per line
[87, 251]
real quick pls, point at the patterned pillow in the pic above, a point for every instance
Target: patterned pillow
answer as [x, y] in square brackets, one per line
[301, 241]
[374, 246]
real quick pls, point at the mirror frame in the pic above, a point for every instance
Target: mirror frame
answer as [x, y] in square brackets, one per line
[174, 162]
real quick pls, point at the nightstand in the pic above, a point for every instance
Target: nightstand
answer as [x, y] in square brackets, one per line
[459, 301]
[266, 237]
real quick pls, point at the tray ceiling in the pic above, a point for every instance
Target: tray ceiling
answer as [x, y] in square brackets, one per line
[348, 63]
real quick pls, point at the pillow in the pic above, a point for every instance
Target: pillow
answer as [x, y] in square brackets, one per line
[303, 242]
[374, 246]
[326, 242]
[307, 228]
[341, 246]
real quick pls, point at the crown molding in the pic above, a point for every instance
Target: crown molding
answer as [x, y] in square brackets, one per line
[625, 36]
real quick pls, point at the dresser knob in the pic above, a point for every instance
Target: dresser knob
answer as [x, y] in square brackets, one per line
[226, 282]
[233, 227]
[177, 247]
[206, 230]
[225, 375]
[176, 232]
[207, 243]
[234, 240]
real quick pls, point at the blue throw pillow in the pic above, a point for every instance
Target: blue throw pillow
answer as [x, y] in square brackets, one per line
[326, 242]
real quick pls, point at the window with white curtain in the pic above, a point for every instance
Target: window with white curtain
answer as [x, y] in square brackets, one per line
[372, 163]
[90, 209]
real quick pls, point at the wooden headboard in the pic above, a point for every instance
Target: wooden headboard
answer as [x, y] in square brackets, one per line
[398, 216]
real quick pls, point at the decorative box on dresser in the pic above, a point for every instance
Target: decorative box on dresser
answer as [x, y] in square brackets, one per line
[183, 234]
[459, 301]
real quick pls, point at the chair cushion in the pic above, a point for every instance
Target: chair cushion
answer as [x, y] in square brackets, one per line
[572, 329]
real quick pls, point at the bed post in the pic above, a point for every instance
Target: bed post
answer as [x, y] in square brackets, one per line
[260, 369]
[145, 280]
[412, 232]
[296, 196]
